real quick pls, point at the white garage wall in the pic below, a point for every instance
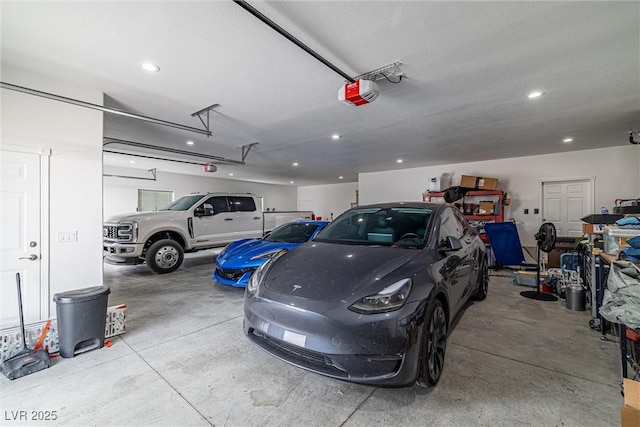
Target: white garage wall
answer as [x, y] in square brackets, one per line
[121, 194]
[616, 171]
[324, 200]
[74, 135]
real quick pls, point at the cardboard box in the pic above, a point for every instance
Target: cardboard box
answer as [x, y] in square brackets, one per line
[528, 278]
[480, 183]
[564, 242]
[553, 258]
[468, 181]
[486, 208]
[592, 228]
[630, 412]
[487, 183]
[563, 245]
[629, 417]
[631, 393]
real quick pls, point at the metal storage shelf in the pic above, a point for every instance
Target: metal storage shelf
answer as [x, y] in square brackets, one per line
[499, 217]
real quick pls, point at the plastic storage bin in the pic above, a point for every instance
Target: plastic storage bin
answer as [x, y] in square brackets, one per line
[615, 238]
[82, 316]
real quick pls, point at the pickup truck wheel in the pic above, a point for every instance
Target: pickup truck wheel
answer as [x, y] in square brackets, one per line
[164, 256]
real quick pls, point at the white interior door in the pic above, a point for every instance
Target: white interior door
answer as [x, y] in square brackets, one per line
[564, 203]
[20, 238]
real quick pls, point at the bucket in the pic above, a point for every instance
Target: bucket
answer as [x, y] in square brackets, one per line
[576, 298]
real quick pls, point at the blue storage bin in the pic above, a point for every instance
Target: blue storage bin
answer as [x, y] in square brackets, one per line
[571, 261]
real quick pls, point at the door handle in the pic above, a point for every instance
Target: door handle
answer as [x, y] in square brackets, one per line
[256, 217]
[228, 219]
[31, 257]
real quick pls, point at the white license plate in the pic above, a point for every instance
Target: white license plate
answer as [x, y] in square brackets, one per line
[293, 338]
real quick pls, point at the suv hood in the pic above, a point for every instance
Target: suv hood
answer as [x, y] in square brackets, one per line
[144, 216]
[329, 272]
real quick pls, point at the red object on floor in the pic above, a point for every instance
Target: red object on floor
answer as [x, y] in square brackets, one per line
[632, 334]
[546, 288]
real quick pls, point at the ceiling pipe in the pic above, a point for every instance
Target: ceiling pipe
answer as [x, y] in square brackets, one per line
[101, 108]
[154, 157]
[153, 172]
[243, 4]
[210, 158]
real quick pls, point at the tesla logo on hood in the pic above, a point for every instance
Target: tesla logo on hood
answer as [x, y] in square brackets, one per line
[296, 287]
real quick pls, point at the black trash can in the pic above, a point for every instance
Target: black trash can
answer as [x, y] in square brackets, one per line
[82, 314]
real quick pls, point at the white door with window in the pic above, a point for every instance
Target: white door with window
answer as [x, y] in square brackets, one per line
[248, 219]
[21, 243]
[565, 202]
[217, 226]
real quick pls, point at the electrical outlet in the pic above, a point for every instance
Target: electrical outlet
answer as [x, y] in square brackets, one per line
[67, 236]
[526, 211]
[536, 211]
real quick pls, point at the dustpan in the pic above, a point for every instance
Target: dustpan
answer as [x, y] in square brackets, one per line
[28, 360]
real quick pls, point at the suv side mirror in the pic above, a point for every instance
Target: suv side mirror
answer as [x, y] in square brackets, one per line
[450, 244]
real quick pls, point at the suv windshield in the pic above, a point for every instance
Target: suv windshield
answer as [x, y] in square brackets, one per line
[398, 227]
[183, 203]
[292, 233]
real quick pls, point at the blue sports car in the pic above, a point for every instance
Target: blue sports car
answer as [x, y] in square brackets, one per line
[239, 259]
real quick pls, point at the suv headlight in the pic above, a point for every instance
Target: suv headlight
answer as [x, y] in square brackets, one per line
[256, 278]
[390, 298]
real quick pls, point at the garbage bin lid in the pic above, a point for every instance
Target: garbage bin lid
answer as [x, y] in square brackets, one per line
[80, 295]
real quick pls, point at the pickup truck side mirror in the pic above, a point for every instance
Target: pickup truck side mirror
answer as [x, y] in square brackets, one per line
[203, 210]
[450, 244]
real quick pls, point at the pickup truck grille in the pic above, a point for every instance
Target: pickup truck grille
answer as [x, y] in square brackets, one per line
[110, 232]
[119, 233]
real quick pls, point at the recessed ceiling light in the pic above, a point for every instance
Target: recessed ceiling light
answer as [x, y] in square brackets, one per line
[341, 177]
[399, 161]
[148, 66]
[290, 182]
[295, 163]
[231, 174]
[535, 94]
[567, 140]
[335, 136]
[190, 142]
[132, 161]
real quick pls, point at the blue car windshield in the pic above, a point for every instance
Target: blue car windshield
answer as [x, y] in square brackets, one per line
[292, 233]
[183, 203]
[396, 227]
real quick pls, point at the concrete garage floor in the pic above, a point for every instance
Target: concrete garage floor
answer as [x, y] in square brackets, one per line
[185, 361]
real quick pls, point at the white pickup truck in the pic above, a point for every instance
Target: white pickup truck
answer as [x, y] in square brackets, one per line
[191, 223]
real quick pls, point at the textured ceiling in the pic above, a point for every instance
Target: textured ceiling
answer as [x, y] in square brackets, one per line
[468, 69]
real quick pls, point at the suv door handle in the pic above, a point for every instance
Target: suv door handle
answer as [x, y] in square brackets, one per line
[31, 257]
[228, 219]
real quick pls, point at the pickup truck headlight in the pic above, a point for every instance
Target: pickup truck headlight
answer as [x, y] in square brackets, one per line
[122, 232]
[128, 231]
[390, 298]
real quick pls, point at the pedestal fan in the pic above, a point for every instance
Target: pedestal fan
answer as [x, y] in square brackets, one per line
[545, 239]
